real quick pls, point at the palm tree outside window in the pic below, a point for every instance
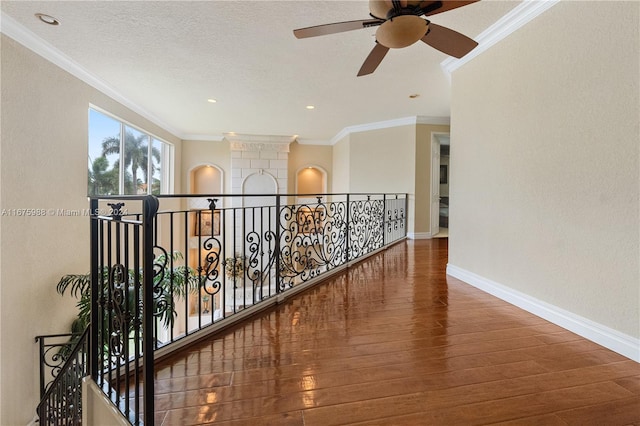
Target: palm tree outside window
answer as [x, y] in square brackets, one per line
[112, 143]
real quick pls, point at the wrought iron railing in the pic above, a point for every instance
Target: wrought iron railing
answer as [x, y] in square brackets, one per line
[62, 398]
[169, 269]
[54, 350]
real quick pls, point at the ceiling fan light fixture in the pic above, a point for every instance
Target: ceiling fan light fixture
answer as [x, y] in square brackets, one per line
[379, 8]
[401, 31]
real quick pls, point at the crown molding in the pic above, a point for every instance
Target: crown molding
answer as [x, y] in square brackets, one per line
[306, 141]
[11, 28]
[405, 121]
[436, 121]
[265, 139]
[502, 28]
[203, 137]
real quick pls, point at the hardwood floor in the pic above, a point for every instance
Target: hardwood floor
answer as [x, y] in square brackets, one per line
[394, 341]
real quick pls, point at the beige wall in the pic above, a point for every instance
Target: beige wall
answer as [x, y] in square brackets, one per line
[309, 155]
[197, 153]
[340, 166]
[545, 162]
[382, 160]
[43, 166]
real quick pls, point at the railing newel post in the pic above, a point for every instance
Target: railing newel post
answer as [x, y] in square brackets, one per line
[150, 210]
[41, 346]
[95, 290]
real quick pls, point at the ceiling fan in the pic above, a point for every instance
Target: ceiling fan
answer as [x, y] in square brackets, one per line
[399, 25]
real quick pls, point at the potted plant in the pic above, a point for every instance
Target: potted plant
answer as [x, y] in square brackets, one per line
[234, 266]
[176, 282]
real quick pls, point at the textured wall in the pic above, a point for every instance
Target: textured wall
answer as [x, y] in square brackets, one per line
[545, 162]
[382, 161]
[196, 153]
[340, 178]
[43, 166]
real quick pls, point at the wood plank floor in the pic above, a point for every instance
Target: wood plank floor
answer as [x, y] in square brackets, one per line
[394, 341]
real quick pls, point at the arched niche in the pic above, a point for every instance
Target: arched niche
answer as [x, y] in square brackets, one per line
[259, 183]
[310, 179]
[204, 179]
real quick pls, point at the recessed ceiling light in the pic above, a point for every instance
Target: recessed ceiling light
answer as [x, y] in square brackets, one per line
[415, 95]
[47, 19]
[211, 101]
[310, 107]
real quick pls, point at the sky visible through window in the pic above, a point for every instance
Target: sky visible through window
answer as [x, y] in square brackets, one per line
[105, 144]
[100, 128]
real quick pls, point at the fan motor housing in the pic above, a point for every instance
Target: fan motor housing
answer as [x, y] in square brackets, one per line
[384, 9]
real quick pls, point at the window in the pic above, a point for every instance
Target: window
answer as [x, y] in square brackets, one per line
[145, 159]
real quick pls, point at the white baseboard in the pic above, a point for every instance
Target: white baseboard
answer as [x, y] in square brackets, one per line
[419, 235]
[609, 338]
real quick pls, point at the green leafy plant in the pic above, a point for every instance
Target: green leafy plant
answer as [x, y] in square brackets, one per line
[172, 283]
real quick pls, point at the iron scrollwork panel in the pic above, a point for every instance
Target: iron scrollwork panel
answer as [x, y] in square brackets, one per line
[119, 307]
[209, 274]
[261, 258]
[313, 239]
[365, 230]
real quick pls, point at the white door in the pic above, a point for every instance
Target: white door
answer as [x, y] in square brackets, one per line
[435, 186]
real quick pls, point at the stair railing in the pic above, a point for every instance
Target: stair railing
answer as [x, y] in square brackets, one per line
[61, 403]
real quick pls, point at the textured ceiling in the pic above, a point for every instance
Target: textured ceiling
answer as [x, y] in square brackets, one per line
[169, 57]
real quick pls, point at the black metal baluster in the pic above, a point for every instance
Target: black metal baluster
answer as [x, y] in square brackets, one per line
[384, 209]
[244, 234]
[127, 320]
[348, 231]
[118, 355]
[171, 277]
[223, 279]
[278, 254]
[200, 268]
[108, 306]
[186, 270]
[137, 289]
[95, 285]
[150, 208]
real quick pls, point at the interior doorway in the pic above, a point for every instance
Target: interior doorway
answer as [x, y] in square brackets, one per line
[440, 178]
